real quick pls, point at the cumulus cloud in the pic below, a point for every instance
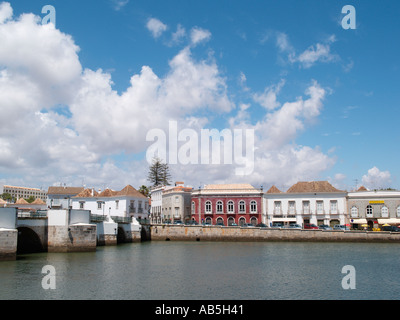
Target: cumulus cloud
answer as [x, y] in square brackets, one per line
[44, 144]
[156, 27]
[376, 179]
[198, 35]
[319, 52]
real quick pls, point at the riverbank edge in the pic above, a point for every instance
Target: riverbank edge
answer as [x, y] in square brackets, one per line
[162, 232]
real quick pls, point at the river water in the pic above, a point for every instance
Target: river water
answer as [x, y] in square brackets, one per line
[208, 270]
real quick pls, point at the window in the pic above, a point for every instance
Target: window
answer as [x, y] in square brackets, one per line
[292, 210]
[219, 207]
[385, 212]
[333, 207]
[116, 204]
[193, 207]
[176, 199]
[277, 207]
[220, 220]
[230, 207]
[242, 221]
[354, 212]
[208, 206]
[242, 206]
[253, 221]
[231, 221]
[306, 207]
[81, 204]
[369, 211]
[320, 207]
[253, 206]
[398, 211]
[177, 213]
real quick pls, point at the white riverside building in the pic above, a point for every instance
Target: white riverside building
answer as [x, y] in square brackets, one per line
[314, 202]
[374, 208]
[126, 203]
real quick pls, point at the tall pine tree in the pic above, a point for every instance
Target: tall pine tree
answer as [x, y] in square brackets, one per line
[159, 173]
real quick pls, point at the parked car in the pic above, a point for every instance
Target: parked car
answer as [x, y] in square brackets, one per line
[220, 224]
[179, 222]
[277, 225]
[233, 225]
[325, 227]
[294, 226]
[249, 225]
[192, 223]
[261, 225]
[391, 228]
[310, 226]
[340, 227]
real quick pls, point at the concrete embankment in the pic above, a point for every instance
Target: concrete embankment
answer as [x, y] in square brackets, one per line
[219, 233]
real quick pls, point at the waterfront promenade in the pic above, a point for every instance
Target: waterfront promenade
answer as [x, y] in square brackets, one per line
[167, 232]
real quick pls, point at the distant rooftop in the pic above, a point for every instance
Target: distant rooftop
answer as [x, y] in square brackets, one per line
[312, 186]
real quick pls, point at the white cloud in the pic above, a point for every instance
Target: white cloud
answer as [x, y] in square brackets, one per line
[119, 4]
[320, 52]
[376, 179]
[156, 27]
[178, 35]
[268, 98]
[44, 145]
[6, 12]
[198, 35]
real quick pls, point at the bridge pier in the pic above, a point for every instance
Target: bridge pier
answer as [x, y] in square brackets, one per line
[8, 234]
[70, 231]
[106, 233]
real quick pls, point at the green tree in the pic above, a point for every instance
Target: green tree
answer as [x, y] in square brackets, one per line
[144, 190]
[6, 196]
[159, 173]
[30, 199]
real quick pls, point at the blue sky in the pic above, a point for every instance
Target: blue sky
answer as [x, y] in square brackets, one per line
[253, 65]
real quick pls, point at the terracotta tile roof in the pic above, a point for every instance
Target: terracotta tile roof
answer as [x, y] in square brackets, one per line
[107, 193]
[87, 193]
[312, 186]
[127, 191]
[239, 188]
[21, 201]
[362, 188]
[38, 201]
[130, 191]
[233, 186]
[274, 189]
[65, 190]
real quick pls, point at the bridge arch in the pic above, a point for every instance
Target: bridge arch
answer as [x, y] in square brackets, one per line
[121, 237]
[28, 241]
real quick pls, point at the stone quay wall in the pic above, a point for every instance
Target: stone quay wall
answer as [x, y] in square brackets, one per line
[219, 233]
[8, 244]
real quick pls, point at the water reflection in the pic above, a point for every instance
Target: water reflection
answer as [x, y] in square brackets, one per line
[208, 270]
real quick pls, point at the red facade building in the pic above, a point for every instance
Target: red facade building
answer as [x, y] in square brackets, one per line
[227, 204]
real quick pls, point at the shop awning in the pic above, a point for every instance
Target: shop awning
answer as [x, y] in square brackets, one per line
[359, 221]
[389, 221]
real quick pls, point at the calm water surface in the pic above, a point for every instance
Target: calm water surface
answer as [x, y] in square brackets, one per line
[208, 270]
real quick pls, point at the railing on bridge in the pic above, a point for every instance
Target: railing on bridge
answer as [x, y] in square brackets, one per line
[143, 221]
[39, 214]
[118, 219]
[97, 218]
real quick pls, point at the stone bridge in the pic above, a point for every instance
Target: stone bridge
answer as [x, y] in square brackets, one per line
[60, 231]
